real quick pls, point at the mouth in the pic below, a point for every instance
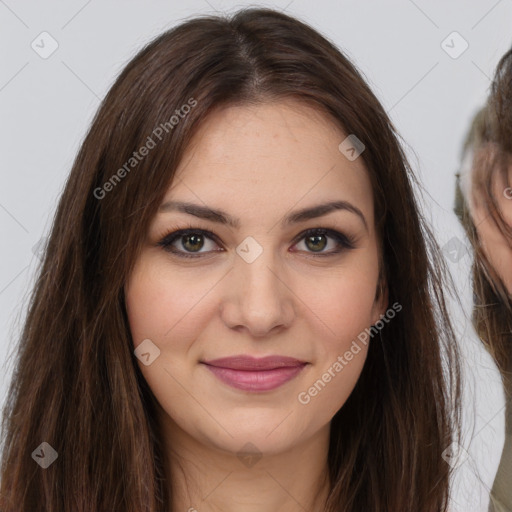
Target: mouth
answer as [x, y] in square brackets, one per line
[255, 374]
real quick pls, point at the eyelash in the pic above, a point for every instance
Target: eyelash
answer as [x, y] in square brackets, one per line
[345, 242]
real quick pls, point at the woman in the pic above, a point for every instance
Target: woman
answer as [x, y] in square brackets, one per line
[484, 206]
[240, 305]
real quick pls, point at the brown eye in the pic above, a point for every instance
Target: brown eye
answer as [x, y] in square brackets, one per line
[188, 243]
[193, 242]
[318, 239]
[316, 242]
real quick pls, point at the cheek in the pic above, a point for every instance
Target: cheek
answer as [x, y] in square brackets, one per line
[340, 354]
[345, 313]
[162, 304]
[344, 300]
[329, 387]
[166, 307]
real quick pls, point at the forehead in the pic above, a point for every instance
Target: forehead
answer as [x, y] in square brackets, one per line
[283, 152]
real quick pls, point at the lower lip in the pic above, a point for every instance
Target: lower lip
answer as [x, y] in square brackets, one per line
[262, 380]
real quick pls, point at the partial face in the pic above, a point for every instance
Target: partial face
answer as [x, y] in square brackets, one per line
[495, 246]
[269, 283]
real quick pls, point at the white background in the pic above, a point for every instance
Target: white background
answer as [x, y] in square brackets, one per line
[46, 106]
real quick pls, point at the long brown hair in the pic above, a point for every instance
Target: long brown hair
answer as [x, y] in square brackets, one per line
[77, 385]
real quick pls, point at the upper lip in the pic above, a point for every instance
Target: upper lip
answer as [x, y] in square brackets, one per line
[243, 362]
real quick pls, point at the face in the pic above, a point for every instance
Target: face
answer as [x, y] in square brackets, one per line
[494, 244]
[257, 280]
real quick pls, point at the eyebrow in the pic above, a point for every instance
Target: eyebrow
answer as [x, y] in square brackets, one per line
[214, 215]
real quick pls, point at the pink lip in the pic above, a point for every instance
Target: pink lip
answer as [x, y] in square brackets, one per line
[251, 374]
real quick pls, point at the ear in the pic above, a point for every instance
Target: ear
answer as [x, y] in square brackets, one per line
[381, 302]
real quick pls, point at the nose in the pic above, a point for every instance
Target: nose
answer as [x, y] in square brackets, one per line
[257, 297]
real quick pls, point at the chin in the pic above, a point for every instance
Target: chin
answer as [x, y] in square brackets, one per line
[255, 444]
[268, 437]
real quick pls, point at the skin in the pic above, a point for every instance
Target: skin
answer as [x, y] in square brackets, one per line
[495, 246]
[257, 163]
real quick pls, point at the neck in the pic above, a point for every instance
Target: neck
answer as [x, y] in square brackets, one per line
[206, 478]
